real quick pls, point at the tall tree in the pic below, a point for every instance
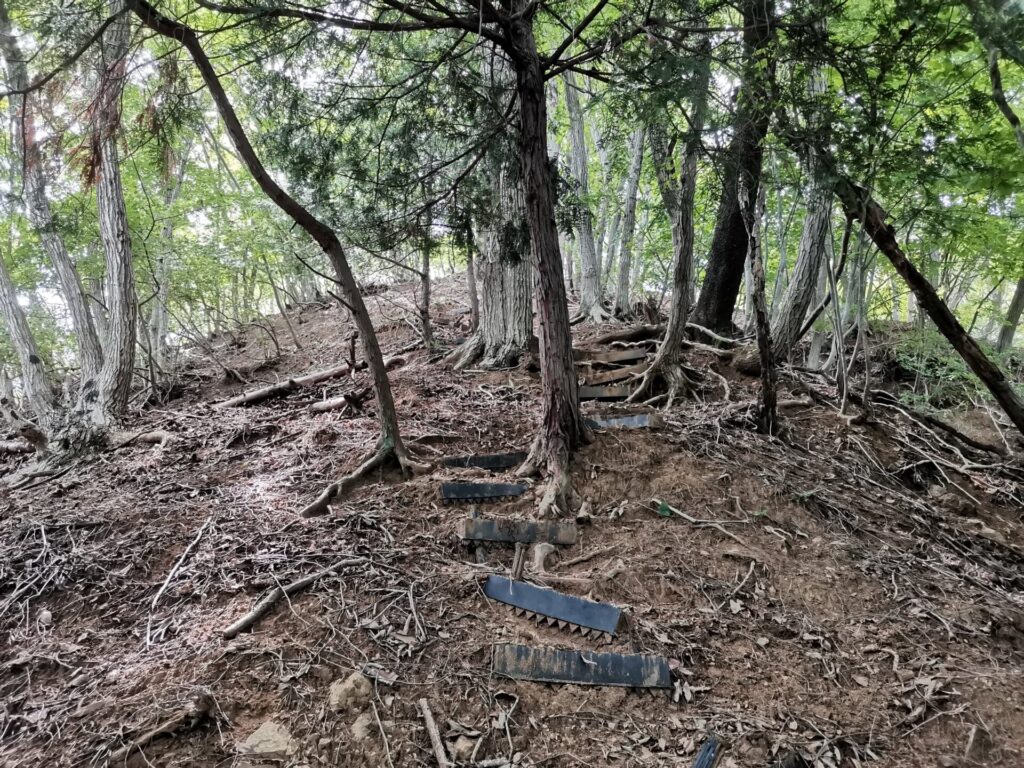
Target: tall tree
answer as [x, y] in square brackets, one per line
[591, 301]
[741, 165]
[115, 378]
[636, 153]
[390, 444]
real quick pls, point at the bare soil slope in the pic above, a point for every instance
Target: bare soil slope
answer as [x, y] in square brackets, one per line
[854, 593]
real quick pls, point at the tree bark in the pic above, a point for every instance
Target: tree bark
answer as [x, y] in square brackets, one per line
[474, 300]
[322, 234]
[860, 206]
[115, 379]
[159, 320]
[562, 430]
[767, 410]
[37, 205]
[743, 157]
[677, 195]
[636, 148]
[1009, 328]
[590, 278]
[34, 380]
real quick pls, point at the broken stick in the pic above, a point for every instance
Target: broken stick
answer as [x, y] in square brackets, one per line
[262, 608]
[435, 735]
[198, 709]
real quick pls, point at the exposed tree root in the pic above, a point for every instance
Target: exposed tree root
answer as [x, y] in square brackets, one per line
[665, 380]
[200, 707]
[474, 351]
[559, 498]
[385, 451]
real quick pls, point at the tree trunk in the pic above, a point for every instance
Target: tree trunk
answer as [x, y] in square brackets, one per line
[474, 300]
[743, 157]
[122, 306]
[323, 235]
[860, 206]
[601, 236]
[1013, 315]
[424, 302]
[677, 194]
[766, 415]
[590, 279]
[34, 380]
[636, 148]
[562, 430]
[814, 249]
[159, 320]
[37, 206]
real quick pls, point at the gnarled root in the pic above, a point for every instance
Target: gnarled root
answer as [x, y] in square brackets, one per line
[559, 497]
[665, 380]
[385, 451]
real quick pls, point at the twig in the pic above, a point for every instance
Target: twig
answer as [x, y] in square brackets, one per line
[199, 708]
[170, 576]
[704, 524]
[435, 736]
[383, 736]
[263, 606]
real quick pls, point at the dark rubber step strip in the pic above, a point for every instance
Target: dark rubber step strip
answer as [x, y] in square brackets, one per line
[610, 355]
[710, 753]
[558, 608]
[480, 491]
[550, 665]
[492, 461]
[517, 531]
[605, 393]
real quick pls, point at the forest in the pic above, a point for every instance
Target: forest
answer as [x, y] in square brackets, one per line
[512, 383]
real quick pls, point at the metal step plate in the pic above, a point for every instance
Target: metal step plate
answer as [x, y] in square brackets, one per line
[632, 421]
[605, 393]
[550, 665]
[492, 461]
[517, 531]
[480, 491]
[565, 611]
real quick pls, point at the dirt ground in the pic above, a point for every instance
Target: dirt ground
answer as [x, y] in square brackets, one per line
[854, 593]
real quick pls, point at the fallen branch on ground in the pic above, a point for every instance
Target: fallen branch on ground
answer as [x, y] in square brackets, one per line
[354, 399]
[199, 708]
[16, 446]
[287, 386]
[262, 608]
[435, 735]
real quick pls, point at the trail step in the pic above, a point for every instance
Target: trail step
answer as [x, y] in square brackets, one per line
[605, 393]
[632, 421]
[479, 491]
[615, 374]
[517, 531]
[710, 753]
[492, 461]
[550, 665]
[565, 611]
[609, 356]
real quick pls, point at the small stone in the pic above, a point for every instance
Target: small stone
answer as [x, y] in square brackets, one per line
[462, 749]
[763, 642]
[45, 618]
[361, 727]
[270, 740]
[351, 694]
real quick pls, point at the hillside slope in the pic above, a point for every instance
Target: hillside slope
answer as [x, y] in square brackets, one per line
[854, 593]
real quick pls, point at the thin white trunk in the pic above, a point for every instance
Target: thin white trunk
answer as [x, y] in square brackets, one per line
[34, 380]
[37, 204]
[1013, 315]
[590, 279]
[636, 150]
